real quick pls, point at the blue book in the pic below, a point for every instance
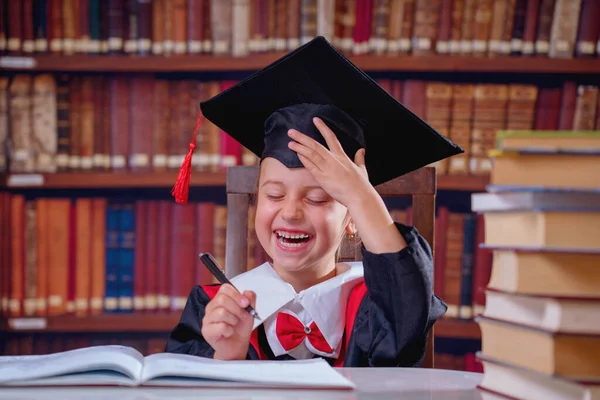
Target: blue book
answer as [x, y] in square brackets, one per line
[112, 257]
[126, 257]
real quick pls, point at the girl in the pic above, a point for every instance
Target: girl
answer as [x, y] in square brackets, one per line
[314, 187]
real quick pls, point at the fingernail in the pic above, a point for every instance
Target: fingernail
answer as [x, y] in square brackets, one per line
[291, 132]
[244, 302]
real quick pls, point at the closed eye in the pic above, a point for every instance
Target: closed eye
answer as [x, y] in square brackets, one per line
[317, 201]
[274, 197]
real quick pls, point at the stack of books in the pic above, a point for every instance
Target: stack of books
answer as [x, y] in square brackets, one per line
[541, 324]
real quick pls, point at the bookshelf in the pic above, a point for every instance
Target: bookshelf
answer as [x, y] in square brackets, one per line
[165, 322]
[371, 63]
[511, 87]
[98, 180]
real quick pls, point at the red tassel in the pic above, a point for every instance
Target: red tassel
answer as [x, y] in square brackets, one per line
[182, 185]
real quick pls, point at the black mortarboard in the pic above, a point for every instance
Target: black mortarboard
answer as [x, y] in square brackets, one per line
[317, 80]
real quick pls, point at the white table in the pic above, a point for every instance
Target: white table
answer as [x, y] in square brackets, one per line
[372, 384]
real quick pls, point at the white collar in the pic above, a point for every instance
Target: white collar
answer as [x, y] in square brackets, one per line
[325, 302]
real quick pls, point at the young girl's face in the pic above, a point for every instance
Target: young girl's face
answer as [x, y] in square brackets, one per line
[298, 224]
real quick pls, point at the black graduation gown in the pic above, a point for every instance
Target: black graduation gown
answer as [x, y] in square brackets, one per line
[388, 325]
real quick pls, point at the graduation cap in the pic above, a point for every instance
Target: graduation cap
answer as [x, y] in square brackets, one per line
[317, 80]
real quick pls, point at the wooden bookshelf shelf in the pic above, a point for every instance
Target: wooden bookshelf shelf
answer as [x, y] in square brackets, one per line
[474, 183]
[199, 63]
[136, 322]
[84, 180]
[72, 180]
[457, 329]
[165, 323]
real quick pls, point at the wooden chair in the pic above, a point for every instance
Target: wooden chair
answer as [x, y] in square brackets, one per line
[242, 183]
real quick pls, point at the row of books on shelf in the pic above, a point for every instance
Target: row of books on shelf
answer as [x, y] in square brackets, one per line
[554, 28]
[540, 326]
[49, 343]
[66, 122]
[88, 256]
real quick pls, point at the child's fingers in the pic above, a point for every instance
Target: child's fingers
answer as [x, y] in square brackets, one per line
[222, 314]
[224, 301]
[251, 297]
[217, 330]
[330, 138]
[235, 295]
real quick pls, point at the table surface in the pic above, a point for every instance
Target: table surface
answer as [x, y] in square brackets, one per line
[372, 383]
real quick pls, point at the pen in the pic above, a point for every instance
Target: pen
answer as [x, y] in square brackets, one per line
[213, 266]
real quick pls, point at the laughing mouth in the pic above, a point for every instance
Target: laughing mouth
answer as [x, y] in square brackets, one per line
[292, 239]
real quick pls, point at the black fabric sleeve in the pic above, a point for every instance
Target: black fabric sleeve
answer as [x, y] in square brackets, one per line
[186, 337]
[399, 309]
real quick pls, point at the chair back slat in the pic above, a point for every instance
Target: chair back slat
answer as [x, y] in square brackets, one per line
[420, 185]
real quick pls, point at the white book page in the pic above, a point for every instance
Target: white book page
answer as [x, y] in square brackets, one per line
[103, 378]
[125, 360]
[301, 373]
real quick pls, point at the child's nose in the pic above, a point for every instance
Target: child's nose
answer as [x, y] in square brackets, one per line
[291, 210]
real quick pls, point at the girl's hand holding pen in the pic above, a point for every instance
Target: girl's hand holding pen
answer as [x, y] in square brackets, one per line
[227, 325]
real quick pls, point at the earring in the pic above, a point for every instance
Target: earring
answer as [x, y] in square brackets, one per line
[352, 237]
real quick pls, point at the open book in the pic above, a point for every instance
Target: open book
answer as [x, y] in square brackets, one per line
[125, 366]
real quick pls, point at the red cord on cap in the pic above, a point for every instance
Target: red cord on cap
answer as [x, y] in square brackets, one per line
[182, 185]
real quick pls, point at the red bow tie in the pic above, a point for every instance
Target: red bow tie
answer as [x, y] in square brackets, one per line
[291, 332]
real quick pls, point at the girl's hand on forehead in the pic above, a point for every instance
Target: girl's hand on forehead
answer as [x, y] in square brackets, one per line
[337, 174]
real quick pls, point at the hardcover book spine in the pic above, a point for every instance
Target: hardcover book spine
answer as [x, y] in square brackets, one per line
[179, 26]
[141, 261]
[95, 15]
[530, 29]
[466, 274]
[241, 27]
[87, 123]
[164, 255]
[483, 25]
[41, 26]
[589, 29]
[453, 268]
[442, 45]
[158, 26]
[564, 28]
[427, 19]
[83, 252]
[458, 12]
[28, 38]
[195, 26]
[21, 154]
[142, 91]
[461, 126]
[75, 122]
[150, 268]
[293, 24]
[98, 255]
[43, 244]
[44, 123]
[544, 26]
[59, 257]
[585, 108]
[308, 20]
[31, 260]
[518, 28]
[468, 27]
[84, 34]
[126, 264]
[112, 257]
[221, 24]
[521, 106]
